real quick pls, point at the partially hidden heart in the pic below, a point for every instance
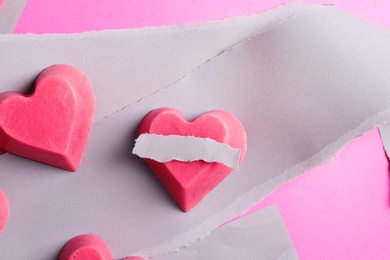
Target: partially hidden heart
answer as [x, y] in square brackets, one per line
[52, 125]
[88, 247]
[189, 182]
[4, 210]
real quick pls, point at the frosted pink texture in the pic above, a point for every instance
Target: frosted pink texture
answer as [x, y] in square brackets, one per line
[51, 125]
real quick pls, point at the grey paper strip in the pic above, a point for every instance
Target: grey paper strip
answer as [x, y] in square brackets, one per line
[261, 235]
[10, 13]
[165, 148]
[127, 65]
[302, 89]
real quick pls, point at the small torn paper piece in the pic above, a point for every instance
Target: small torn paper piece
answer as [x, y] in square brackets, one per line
[261, 235]
[10, 13]
[165, 148]
[384, 131]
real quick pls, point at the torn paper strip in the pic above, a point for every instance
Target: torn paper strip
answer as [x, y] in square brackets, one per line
[260, 235]
[135, 63]
[165, 148]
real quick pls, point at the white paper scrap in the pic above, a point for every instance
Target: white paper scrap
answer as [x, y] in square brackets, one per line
[165, 148]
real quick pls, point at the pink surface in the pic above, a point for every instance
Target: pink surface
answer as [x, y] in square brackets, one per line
[52, 125]
[46, 16]
[340, 210]
[190, 182]
[337, 211]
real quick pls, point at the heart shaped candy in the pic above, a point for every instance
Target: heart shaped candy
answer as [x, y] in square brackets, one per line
[190, 182]
[88, 247]
[4, 210]
[52, 125]
[85, 246]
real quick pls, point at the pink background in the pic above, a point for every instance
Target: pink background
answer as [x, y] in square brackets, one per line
[340, 210]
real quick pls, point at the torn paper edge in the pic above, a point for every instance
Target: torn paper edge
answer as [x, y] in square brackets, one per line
[169, 29]
[252, 197]
[384, 131]
[114, 104]
[165, 148]
[312, 8]
[180, 28]
[252, 224]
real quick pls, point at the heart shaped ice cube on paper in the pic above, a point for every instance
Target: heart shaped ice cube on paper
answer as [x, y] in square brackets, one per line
[190, 182]
[52, 125]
